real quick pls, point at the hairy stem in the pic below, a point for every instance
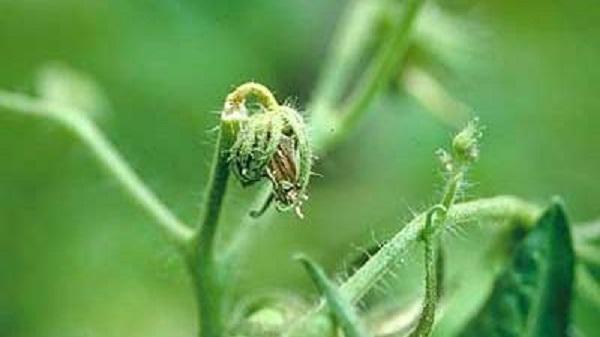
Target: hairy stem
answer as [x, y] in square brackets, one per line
[432, 247]
[500, 208]
[208, 274]
[430, 234]
[107, 155]
[497, 209]
[450, 191]
[217, 185]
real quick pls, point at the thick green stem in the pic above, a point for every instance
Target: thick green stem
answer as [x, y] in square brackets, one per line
[208, 285]
[495, 209]
[106, 154]
[217, 185]
[207, 272]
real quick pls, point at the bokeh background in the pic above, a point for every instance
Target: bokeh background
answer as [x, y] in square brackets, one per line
[78, 258]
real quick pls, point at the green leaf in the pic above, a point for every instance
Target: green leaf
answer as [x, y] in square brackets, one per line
[341, 308]
[532, 296]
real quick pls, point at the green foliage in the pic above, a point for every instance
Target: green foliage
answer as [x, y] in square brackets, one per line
[159, 103]
[341, 308]
[532, 297]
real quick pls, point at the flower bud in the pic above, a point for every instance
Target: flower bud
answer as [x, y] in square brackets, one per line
[257, 142]
[273, 144]
[290, 167]
[465, 149]
[465, 145]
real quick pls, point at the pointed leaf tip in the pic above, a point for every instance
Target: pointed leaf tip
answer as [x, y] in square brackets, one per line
[341, 308]
[532, 296]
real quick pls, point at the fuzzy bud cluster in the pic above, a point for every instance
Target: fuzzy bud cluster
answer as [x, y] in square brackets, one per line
[272, 143]
[465, 145]
[465, 148]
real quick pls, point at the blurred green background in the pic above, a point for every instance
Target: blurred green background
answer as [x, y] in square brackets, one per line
[77, 257]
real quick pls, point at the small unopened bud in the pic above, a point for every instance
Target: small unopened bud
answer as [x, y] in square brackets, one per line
[256, 144]
[465, 145]
[272, 143]
[465, 149]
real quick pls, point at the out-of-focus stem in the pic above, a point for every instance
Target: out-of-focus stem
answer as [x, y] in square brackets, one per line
[107, 155]
[351, 38]
[379, 72]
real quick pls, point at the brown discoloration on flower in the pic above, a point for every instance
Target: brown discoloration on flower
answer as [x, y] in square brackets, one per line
[282, 170]
[272, 143]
